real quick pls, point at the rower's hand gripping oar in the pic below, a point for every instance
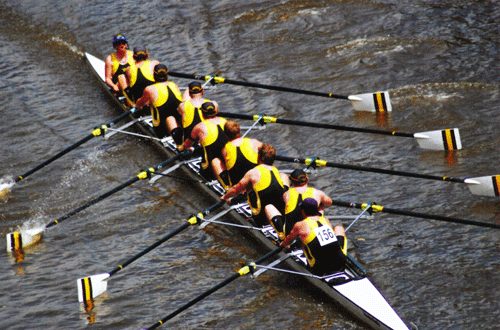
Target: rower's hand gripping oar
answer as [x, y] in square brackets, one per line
[380, 208]
[249, 268]
[376, 102]
[99, 130]
[482, 186]
[95, 285]
[445, 139]
[18, 240]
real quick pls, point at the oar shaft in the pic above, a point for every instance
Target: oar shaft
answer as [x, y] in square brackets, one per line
[379, 208]
[222, 284]
[142, 175]
[257, 85]
[191, 221]
[320, 163]
[96, 132]
[318, 125]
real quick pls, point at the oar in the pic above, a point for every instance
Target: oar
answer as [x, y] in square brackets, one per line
[95, 285]
[18, 240]
[482, 186]
[380, 208]
[250, 267]
[445, 139]
[99, 130]
[378, 102]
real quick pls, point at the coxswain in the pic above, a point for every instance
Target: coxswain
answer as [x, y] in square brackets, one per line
[117, 63]
[325, 247]
[190, 109]
[265, 187]
[164, 98]
[239, 155]
[299, 190]
[210, 134]
[140, 75]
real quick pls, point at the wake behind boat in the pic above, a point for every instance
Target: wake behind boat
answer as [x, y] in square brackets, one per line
[351, 288]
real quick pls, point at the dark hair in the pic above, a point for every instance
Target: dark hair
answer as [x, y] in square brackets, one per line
[267, 154]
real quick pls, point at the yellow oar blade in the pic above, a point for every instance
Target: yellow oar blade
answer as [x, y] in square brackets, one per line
[484, 185]
[24, 238]
[445, 139]
[375, 102]
[92, 286]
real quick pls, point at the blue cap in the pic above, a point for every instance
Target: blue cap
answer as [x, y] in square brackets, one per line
[118, 39]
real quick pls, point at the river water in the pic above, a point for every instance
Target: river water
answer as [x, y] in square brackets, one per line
[440, 62]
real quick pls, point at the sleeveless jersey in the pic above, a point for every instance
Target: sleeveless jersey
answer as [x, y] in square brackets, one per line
[322, 248]
[140, 78]
[165, 106]
[293, 213]
[269, 190]
[240, 160]
[213, 143]
[192, 116]
[117, 68]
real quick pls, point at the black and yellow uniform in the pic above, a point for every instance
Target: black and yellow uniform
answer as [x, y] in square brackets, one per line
[325, 252]
[212, 147]
[165, 106]
[118, 68]
[140, 78]
[192, 116]
[293, 213]
[269, 190]
[240, 160]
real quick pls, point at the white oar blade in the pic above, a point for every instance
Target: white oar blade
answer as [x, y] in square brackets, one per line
[19, 240]
[445, 139]
[484, 185]
[91, 287]
[375, 102]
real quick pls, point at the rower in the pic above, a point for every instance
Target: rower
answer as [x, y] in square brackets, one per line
[265, 187]
[163, 97]
[299, 190]
[190, 110]
[325, 247]
[210, 134]
[140, 75]
[239, 156]
[117, 63]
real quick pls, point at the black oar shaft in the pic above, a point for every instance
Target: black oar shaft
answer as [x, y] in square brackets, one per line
[257, 85]
[239, 273]
[319, 163]
[142, 175]
[316, 125]
[379, 208]
[96, 132]
[193, 220]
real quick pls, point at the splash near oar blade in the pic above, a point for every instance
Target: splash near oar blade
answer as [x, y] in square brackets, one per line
[446, 139]
[24, 238]
[375, 102]
[484, 185]
[92, 286]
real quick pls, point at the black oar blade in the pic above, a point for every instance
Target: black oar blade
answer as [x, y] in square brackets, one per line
[92, 286]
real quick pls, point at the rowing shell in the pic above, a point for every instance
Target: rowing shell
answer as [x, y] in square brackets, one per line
[351, 288]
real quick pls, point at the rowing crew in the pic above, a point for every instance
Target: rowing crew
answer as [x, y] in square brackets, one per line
[239, 163]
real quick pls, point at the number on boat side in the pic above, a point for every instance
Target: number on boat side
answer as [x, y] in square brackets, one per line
[325, 235]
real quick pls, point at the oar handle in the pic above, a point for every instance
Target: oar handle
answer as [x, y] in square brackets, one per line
[315, 125]
[379, 208]
[220, 80]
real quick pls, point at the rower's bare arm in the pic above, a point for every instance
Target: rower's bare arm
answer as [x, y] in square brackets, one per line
[144, 100]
